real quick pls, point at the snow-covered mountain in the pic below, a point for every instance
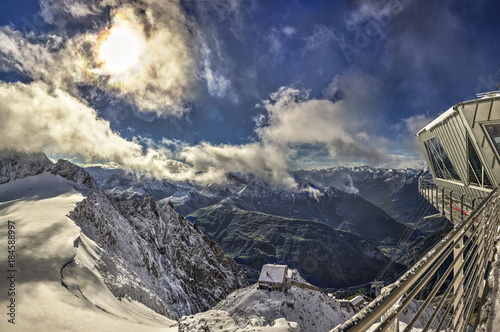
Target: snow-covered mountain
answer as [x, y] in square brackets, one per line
[181, 271]
[149, 254]
[308, 203]
[312, 310]
[18, 165]
[54, 283]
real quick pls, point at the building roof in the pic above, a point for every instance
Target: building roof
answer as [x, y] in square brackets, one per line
[438, 120]
[357, 300]
[272, 273]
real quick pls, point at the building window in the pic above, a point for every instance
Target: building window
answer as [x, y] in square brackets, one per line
[476, 170]
[440, 162]
[494, 132]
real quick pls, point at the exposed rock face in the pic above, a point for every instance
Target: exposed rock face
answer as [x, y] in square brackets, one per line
[152, 255]
[81, 178]
[155, 256]
[18, 165]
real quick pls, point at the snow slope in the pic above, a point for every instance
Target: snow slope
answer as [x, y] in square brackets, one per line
[57, 287]
[312, 310]
[217, 320]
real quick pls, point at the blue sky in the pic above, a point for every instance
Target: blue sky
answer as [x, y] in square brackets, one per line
[252, 86]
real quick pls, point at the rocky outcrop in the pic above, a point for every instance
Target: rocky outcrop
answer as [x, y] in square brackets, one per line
[82, 180]
[17, 165]
[149, 254]
[155, 256]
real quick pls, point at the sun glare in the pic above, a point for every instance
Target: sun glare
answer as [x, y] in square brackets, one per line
[120, 50]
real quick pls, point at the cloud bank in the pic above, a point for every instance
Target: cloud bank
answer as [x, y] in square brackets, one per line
[35, 116]
[159, 83]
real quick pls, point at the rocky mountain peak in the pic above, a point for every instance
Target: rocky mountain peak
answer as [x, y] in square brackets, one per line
[150, 254]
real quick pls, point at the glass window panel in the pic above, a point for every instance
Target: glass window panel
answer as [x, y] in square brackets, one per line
[494, 132]
[477, 173]
[443, 168]
[434, 163]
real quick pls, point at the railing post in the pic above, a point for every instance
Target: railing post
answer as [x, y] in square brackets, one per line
[459, 275]
[451, 206]
[442, 201]
[461, 208]
[437, 196]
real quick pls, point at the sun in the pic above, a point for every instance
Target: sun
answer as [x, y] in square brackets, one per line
[120, 49]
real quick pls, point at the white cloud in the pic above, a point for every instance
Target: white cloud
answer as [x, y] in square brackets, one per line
[408, 128]
[34, 117]
[321, 37]
[58, 12]
[267, 162]
[289, 31]
[160, 83]
[218, 84]
[276, 39]
[293, 122]
[382, 12]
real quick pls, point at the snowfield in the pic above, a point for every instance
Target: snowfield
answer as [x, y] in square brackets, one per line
[57, 287]
[312, 310]
[56, 284]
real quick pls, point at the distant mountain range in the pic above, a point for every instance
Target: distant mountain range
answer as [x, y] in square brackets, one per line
[325, 256]
[393, 190]
[229, 212]
[134, 243]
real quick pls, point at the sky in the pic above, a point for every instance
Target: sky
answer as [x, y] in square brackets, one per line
[194, 89]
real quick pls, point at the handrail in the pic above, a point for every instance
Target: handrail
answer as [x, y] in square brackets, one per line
[470, 244]
[453, 207]
[487, 94]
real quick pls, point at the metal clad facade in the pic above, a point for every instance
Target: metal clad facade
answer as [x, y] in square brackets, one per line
[453, 133]
[485, 111]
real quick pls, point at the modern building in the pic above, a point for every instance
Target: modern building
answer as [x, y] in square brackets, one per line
[462, 149]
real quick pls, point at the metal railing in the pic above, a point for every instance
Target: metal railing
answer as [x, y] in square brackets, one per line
[455, 207]
[445, 287]
[487, 94]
